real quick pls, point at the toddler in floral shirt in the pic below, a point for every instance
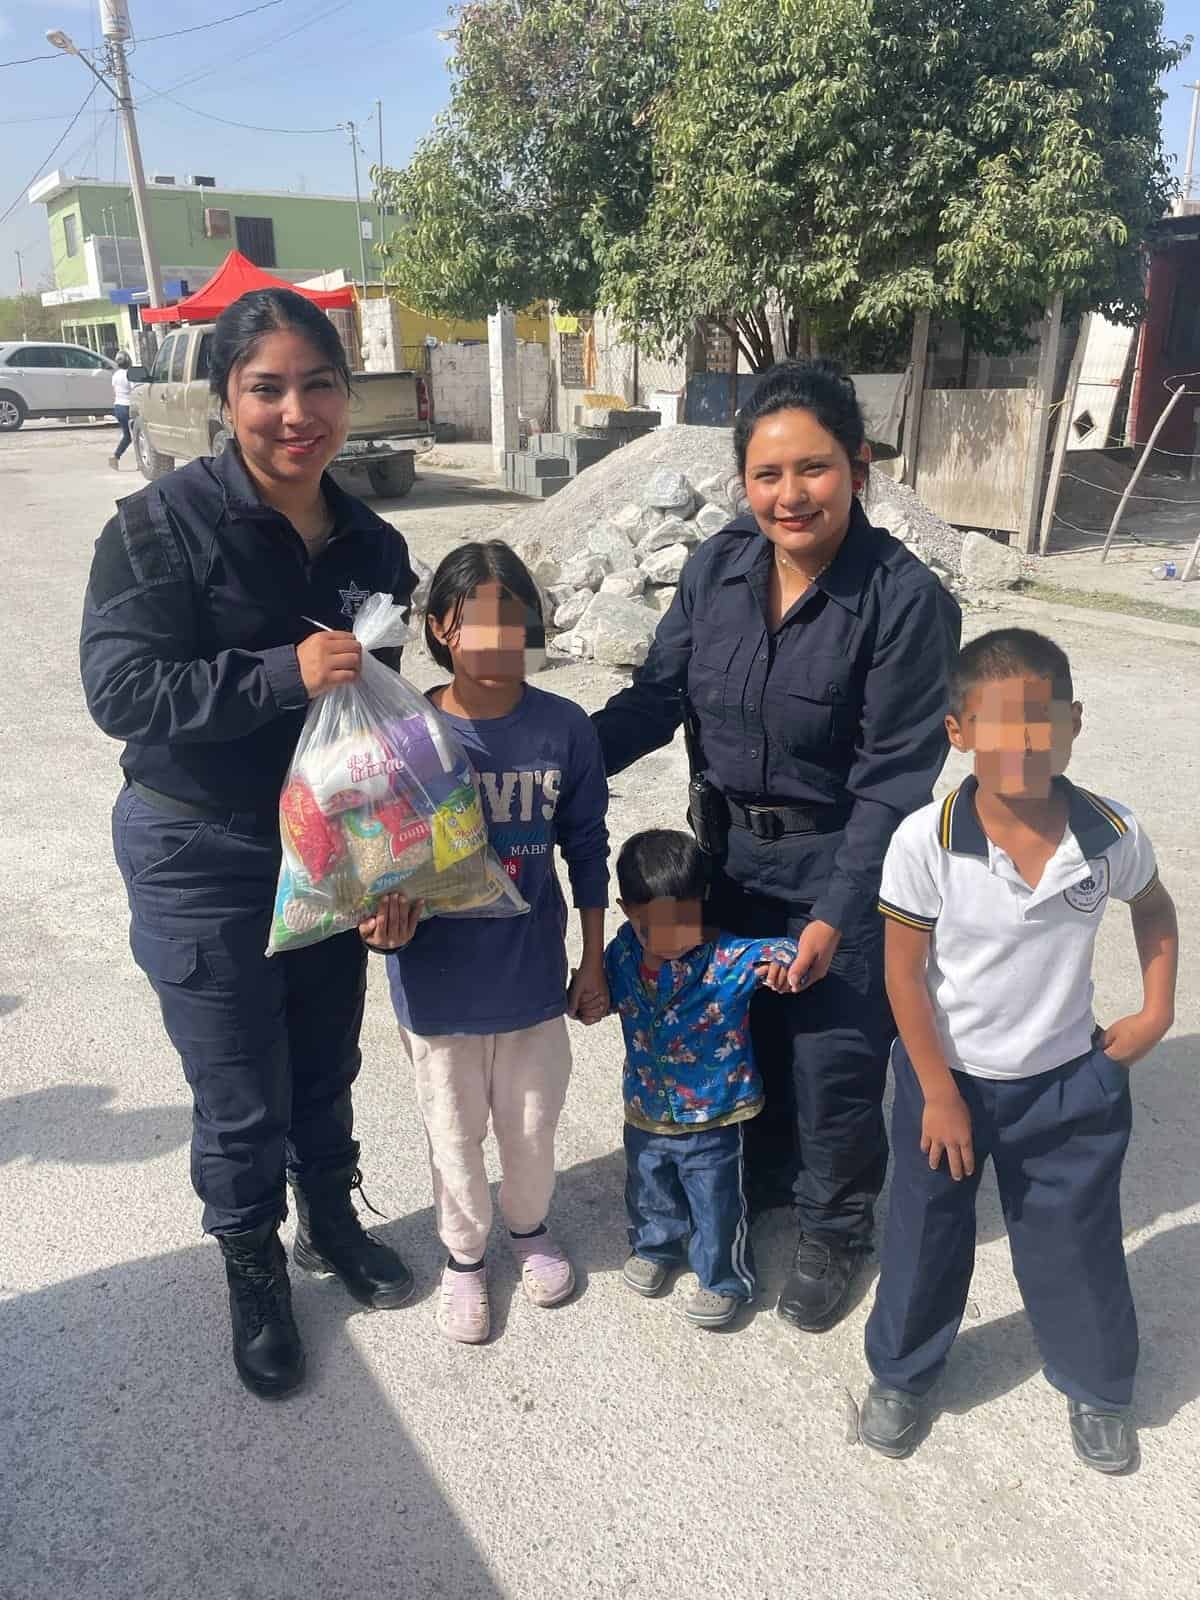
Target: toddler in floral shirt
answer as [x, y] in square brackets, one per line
[683, 993]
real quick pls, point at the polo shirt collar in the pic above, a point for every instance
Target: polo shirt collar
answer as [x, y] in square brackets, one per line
[350, 515]
[846, 577]
[1095, 826]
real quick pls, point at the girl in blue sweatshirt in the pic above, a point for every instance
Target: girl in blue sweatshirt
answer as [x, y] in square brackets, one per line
[482, 1001]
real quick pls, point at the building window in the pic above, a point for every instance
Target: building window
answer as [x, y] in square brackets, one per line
[256, 239]
[570, 359]
[71, 235]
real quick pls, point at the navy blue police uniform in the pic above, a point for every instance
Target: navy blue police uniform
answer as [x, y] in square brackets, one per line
[198, 596]
[821, 734]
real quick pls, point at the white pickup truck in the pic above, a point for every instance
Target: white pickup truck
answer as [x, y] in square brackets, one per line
[174, 417]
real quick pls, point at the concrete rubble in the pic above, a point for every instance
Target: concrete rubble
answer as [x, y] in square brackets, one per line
[622, 531]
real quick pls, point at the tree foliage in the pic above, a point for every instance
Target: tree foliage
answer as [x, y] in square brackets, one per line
[24, 316]
[808, 172]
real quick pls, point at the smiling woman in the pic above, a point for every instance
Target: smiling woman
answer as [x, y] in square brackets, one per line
[199, 651]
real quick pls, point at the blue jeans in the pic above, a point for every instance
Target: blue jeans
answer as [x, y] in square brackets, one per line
[1057, 1140]
[686, 1189]
[122, 415]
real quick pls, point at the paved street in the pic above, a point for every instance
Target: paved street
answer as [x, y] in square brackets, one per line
[602, 1449]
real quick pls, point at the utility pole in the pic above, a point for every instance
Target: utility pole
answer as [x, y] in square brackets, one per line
[362, 252]
[21, 293]
[379, 241]
[1189, 160]
[114, 23]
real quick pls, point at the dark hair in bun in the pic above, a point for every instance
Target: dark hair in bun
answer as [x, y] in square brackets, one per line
[817, 386]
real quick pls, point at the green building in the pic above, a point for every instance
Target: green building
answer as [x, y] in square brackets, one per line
[99, 278]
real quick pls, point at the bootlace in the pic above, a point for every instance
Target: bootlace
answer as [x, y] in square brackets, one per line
[339, 1222]
[811, 1258]
[357, 1183]
[258, 1289]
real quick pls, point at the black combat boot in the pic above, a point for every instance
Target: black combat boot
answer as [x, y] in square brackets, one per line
[266, 1342]
[332, 1242]
[817, 1291]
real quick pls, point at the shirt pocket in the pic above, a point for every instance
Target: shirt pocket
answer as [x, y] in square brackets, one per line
[708, 678]
[811, 704]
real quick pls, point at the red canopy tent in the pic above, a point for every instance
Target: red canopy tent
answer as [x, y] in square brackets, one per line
[236, 276]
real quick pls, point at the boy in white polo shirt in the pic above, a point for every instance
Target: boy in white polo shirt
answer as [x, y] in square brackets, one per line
[993, 897]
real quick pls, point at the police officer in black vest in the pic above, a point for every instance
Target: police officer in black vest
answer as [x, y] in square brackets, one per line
[199, 651]
[814, 650]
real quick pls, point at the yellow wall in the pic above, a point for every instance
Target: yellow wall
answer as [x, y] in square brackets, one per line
[414, 326]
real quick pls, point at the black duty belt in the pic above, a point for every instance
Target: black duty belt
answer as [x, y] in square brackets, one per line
[192, 811]
[767, 821]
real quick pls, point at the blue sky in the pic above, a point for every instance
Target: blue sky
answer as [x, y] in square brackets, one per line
[296, 64]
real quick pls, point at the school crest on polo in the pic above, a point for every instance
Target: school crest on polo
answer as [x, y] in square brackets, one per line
[1090, 893]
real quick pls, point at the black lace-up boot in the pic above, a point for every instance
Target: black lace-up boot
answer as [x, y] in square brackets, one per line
[332, 1242]
[817, 1291]
[266, 1342]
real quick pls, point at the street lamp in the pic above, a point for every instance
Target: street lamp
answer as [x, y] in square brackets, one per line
[137, 177]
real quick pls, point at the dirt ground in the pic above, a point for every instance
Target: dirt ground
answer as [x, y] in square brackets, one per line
[605, 1449]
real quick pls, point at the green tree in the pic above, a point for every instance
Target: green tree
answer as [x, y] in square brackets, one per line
[543, 155]
[24, 316]
[827, 167]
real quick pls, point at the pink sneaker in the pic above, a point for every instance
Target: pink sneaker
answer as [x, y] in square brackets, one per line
[463, 1311]
[546, 1275]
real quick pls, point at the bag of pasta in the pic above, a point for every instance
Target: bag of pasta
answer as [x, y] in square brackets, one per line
[380, 798]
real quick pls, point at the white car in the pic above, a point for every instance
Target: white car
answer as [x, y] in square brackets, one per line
[41, 379]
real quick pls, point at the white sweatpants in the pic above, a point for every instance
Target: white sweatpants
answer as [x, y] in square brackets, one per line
[519, 1081]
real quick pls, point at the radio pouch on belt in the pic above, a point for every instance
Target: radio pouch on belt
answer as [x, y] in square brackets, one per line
[708, 814]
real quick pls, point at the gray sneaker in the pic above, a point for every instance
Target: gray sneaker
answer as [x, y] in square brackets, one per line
[708, 1310]
[644, 1276]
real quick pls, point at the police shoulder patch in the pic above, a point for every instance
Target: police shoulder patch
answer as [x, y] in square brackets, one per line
[1090, 893]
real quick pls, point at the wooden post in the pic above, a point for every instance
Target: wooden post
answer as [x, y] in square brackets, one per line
[1062, 434]
[1040, 432]
[1176, 395]
[916, 395]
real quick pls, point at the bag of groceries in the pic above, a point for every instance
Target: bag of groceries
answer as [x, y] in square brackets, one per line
[380, 798]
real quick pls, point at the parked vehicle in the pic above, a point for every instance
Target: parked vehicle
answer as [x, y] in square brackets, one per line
[175, 417]
[43, 379]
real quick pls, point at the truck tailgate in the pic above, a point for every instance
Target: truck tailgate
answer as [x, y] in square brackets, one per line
[385, 404]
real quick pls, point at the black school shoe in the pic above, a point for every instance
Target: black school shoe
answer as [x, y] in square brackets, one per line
[267, 1351]
[890, 1420]
[1103, 1438]
[332, 1242]
[817, 1292]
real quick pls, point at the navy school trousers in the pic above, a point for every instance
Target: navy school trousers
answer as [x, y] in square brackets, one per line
[1057, 1141]
[269, 1047]
[686, 1190]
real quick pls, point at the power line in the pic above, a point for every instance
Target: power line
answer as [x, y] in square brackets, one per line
[25, 60]
[319, 14]
[57, 145]
[165, 94]
[151, 38]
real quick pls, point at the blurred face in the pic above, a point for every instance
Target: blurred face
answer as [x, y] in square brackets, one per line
[288, 409]
[1020, 734]
[490, 642]
[800, 484]
[667, 929]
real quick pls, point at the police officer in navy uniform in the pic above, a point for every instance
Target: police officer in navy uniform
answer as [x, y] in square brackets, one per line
[814, 650]
[200, 651]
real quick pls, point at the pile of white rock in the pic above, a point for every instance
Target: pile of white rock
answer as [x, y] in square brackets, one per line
[603, 602]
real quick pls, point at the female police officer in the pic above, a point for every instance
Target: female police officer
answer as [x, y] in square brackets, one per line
[199, 652]
[814, 650]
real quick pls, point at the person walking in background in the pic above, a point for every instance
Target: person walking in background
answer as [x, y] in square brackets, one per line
[199, 653]
[122, 399]
[815, 650]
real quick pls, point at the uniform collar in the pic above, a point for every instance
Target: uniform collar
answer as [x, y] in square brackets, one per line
[846, 576]
[350, 515]
[1095, 825]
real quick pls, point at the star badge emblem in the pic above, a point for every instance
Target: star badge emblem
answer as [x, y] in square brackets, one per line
[352, 598]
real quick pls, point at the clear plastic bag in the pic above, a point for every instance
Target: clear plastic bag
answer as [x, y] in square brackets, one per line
[380, 797]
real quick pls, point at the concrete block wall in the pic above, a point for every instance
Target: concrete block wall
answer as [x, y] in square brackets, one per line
[461, 385]
[380, 335]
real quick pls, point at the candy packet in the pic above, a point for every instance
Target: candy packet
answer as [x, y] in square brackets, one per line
[380, 797]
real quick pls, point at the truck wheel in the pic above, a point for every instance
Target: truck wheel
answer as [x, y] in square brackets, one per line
[148, 459]
[12, 411]
[221, 441]
[393, 478]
